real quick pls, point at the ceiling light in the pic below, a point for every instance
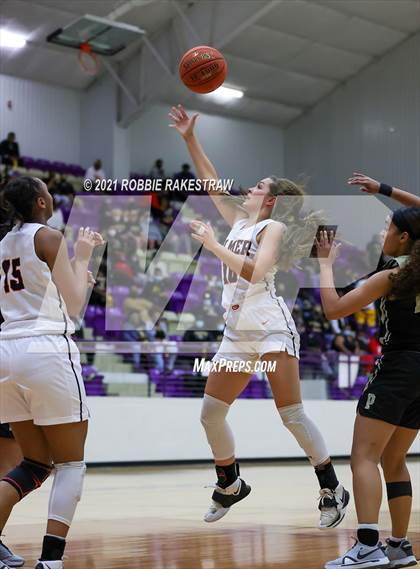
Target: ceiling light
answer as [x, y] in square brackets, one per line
[226, 94]
[11, 39]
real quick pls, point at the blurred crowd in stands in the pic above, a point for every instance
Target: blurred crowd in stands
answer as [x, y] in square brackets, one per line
[126, 298]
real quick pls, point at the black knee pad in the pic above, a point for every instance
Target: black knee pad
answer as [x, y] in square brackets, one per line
[398, 489]
[28, 476]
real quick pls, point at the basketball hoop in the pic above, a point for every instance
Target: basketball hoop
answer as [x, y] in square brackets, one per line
[87, 59]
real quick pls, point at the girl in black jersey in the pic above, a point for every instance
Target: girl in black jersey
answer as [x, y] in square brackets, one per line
[388, 416]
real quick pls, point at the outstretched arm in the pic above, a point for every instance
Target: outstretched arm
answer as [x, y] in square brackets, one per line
[227, 206]
[371, 186]
[339, 307]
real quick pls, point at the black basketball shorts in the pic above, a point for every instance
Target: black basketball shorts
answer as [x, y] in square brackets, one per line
[392, 393]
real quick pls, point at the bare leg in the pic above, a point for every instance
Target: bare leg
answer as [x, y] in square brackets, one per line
[395, 470]
[10, 455]
[370, 439]
[284, 381]
[34, 447]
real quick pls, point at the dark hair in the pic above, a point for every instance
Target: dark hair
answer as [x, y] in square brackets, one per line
[300, 230]
[16, 202]
[407, 281]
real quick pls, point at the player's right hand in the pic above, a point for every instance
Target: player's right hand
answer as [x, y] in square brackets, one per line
[368, 185]
[182, 122]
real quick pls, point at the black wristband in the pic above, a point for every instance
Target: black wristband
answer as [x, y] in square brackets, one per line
[385, 190]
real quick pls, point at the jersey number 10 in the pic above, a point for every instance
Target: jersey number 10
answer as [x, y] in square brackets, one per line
[15, 281]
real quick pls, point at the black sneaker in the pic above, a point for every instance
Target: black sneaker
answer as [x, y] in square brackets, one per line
[333, 505]
[224, 498]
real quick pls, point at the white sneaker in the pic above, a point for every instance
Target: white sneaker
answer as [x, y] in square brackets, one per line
[361, 557]
[8, 557]
[224, 498]
[333, 505]
[49, 565]
[401, 556]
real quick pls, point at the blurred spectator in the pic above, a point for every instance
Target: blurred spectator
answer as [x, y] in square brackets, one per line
[134, 332]
[169, 349]
[122, 272]
[185, 173]
[346, 341]
[50, 181]
[155, 237]
[156, 288]
[366, 316]
[9, 151]
[95, 171]
[374, 347]
[56, 221]
[199, 334]
[65, 191]
[212, 318]
[157, 170]
[136, 301]
[178, 177]
[168, 214]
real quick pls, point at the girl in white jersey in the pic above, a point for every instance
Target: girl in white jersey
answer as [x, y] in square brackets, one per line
[42, 394]
[259, 326]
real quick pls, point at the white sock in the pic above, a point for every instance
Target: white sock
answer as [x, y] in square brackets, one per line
[55, 536]
[375, 527]
[397, 539]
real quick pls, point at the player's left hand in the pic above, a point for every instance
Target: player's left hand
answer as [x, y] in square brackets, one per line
[326, 248]
[204, 233]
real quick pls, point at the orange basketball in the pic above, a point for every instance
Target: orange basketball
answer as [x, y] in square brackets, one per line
[203, 69]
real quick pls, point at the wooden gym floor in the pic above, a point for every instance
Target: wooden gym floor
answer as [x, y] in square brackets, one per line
[150, 518]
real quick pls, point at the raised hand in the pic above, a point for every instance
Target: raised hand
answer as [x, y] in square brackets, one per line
[182, 122]
[203, 232]
[326, 248]
[368, 185]
[87, 240]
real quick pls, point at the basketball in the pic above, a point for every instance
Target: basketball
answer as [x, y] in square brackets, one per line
[203, 69]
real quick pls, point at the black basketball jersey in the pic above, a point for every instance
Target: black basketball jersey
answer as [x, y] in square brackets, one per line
[399, 320]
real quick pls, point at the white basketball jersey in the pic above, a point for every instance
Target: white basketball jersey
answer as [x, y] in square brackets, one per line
[30, 302]
[243, 241]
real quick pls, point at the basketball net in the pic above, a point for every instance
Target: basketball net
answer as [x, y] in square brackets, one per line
[87, 59]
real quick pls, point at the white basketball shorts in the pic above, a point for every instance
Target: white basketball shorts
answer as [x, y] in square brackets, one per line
[261, 326]
[41, 380]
